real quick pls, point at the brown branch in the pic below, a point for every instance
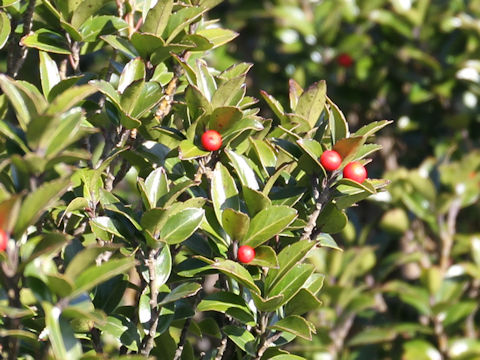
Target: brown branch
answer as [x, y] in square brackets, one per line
[19, 52]
[267, 344]
[221, 349]
[149, 339]
[321, 198]
[183, 338]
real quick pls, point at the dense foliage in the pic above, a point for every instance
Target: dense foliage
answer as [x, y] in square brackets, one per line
[124, 222]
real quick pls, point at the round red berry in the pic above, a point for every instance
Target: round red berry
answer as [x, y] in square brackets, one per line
[330, 160]
[3, 240]
[355, 171]
[211, 140]
[345, 60]
[245, 254]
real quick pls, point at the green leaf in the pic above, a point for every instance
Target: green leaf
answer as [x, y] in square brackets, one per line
[303, 302]
[223, 191]
[46, 40]
[294, 92]
[61, 336]
[242, 338]
[162, 266]
[275, 105]
[218, 36]
[337, 122]
[180, 292]
[85, 259]
[37, 202]
[24, 101]
[50, 243]
[123, 330]
[49, 74]
[326, 240]
[156, 186]
[268, 223]
[5, 28]
[85, 10]
[372, 128]
[95, 275]
[122, 45]
[101, 25]
[180, 226]
[287, 258]
[270, 304]
[158, 17]
[179, 20]
[255, 200]
[236, 271]
[227, 303]
[420, 350]
[294, 324]
[189, 151]
[312, 102]
[133, 71]
[374, 335]
[290, 284]
[331, 219]
[244, 170]
[146, 44]
[107, 224]
[265, 256]
[235, 223]
[70, 98]
[287, 357]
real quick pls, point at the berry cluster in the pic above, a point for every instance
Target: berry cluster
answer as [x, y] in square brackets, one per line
[331, 160]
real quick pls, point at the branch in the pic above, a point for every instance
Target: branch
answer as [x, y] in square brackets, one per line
[22, 51]
[221, 349]
[447, 232]
[267, 344]
[149, 339]
[321, 198]
[183, 335]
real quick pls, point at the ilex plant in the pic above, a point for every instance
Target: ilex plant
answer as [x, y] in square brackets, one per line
[131, 236]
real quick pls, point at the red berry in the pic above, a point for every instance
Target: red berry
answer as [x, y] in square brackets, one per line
[355, 171]
[245, 254]
[330, 160]
[3, 240]
[211, 140]
[345, 60]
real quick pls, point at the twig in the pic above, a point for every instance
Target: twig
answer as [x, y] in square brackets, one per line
[22, 51]
[149, 339]
[183, 335]
[183, 338]
[267, 344]
[321, 198]
[447, 232]
[221, 349]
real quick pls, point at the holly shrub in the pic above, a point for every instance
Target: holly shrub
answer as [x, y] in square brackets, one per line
[123, 229]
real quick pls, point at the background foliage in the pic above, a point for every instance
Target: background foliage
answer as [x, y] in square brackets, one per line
[407, 285]
[101, 174]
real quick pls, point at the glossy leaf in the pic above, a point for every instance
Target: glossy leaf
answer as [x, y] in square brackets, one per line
[180, 292]
[235, 223]
[223, 191]
[312, 102]
[268, 223]
[157, 17]
[241, 337]
[294, 324]
[5, 28]
[37, 202]
[236, 271]
[180, 226]
[290, 284]
[46, 40]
